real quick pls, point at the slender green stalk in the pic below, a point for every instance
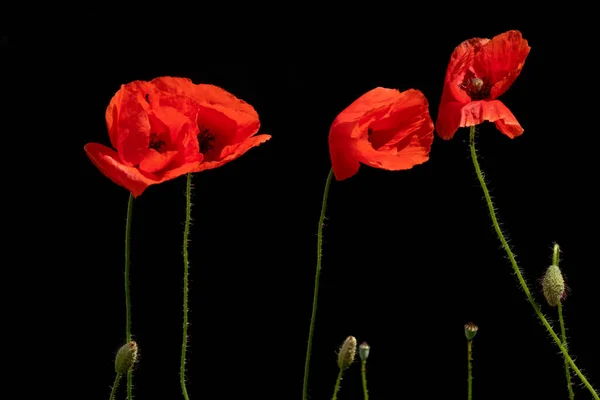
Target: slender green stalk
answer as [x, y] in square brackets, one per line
[114, 388]
[127, 294]
[363, 370]
[556, 254]
[186, 233]
[563, 331]
[470, 369]
[336, 389]
[517, 271]
[316, 289]
[564, 341]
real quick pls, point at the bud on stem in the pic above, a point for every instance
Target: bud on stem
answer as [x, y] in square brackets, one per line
[126, 357]
[347, 353]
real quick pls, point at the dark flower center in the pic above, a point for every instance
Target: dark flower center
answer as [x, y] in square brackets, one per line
[156, 143]
[476, 88]
[205, 140]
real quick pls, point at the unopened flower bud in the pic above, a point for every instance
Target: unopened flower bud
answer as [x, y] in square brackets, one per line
[553, 285]
[347, 353]
[471, 330]
[363, 351]
[126, 357]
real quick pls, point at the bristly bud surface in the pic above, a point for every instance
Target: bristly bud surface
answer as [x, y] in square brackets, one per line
[126, 357]
[347, 353]
[553, 285]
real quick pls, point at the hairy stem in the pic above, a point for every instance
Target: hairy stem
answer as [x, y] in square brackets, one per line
[564, 341]
[470, 369]
[316, 288]
[517, 271]
[336, 389]
[363, 370]
[563, 331]
[114, 388]
[186, 233]
[127, 291]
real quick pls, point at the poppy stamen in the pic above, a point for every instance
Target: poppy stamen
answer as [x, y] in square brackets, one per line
[205, 140]
[476, 88]
[156, 143]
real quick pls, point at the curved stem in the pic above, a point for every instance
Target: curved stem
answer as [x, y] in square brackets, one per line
[127, 294]
[470, 369]
[363, 370]
[336, 389]
[556, 255]
[564, 341]
[517, 271]
[114, 388]
[316, 288]
[186, 233]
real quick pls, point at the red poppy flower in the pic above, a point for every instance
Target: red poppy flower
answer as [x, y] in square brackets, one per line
[168, 127]
[384, 128]
[480, 70]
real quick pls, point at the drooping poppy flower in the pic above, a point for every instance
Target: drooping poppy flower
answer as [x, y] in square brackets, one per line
[168, 127]
[480, 70]
[384, 128]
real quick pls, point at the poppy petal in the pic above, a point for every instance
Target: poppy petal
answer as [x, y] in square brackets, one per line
[126, 116]
[156, 161]
[131, 178]
[460, 61]
[501, 61]
[215, 97]
[236, 109]
[232, 152]
[342, 151]
[495, 111]
[384, 128]
[107, 161]
[400, 139]
[448, 119]
[343, 138]
[371, 100]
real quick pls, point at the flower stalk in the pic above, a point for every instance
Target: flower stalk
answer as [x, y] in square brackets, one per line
[517, 271]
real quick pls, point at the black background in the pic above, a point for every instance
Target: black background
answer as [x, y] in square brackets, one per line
[409, 257]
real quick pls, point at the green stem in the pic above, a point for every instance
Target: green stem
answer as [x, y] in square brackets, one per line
[336, 389]
[127, 294]
[563, 331]
[564, 341]
[114, 388]
[186, 233]
[363, 370]
[470, 369]
[316, 289]
[556, 255]
[517, 271]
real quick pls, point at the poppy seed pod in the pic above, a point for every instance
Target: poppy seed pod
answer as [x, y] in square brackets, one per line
[471, 330]
[363, 351]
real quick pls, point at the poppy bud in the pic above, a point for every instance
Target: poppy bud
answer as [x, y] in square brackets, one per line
[553, 285]
[471, 330]
[347, 353]
[363, 351]
[126, 357]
